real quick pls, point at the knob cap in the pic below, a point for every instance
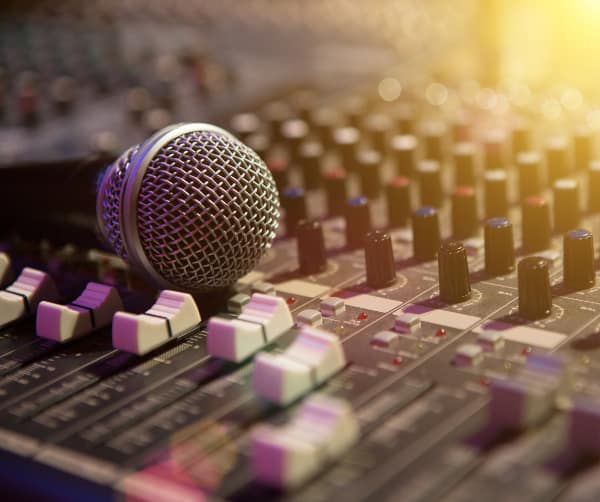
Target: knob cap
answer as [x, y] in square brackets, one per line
[426, 233]
[464, 212]
[358, 221]
[535, 296]
[311, 247]
[398, 201]
[294, 203]
[379, 259]
[578, 259]
[535, 224]
[455, 285]
[567, 212]
[499, 246]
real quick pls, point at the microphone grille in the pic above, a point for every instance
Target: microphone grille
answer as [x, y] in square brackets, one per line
[207, 210]
[110, 201]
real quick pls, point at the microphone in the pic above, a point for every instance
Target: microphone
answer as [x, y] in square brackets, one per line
[191, 208]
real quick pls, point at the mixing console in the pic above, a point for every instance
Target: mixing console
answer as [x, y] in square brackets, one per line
[425, 326]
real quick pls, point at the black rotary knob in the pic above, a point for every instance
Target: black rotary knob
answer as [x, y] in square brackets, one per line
[535, 224]
[535, 296]
[499, 246]
[453, 273]
[336, 191]
[494, 147]
[465, 162]
[369, 166]
[310, 158]
[379, 260]
[324, 122]
[426, 233]
[346, 140]
[567, 211]
[294, 203]
[378, 128]
[530, 174]
[276, 113]
[434, 136]
[293, 133]
[312, 257]
[464, 212]
[404, 154]
[358, 221]
[496, 193]
[593, 186]
[398, 201]
[583, 147]
[521, 137]
[430, 183]
[578, 259]
[558, 159]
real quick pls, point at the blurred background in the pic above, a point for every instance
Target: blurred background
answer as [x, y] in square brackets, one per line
[86, 76]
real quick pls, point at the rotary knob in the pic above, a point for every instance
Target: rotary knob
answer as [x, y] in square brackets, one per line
[398, 201]
[535, 295]
[499, 247]
[535, 224]
[426, 233]
[578, 259]
[358, 221]
[294, 203]
[379, 260]
[464, 212]
[311, 247]
[453, 272]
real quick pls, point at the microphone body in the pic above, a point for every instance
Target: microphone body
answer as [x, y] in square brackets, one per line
[191, 208]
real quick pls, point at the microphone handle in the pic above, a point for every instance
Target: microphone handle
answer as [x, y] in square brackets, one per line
[52, 201]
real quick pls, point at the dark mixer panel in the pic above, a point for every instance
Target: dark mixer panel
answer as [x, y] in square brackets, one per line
[426, 322]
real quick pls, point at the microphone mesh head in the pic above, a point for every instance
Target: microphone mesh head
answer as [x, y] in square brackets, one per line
[206, 211]
[110, 201]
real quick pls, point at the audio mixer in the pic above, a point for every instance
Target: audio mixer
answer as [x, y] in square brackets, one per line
[379, 289]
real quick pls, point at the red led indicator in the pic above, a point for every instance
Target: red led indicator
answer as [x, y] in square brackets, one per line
[290, 300]
[526, 351]
[440, 332]
[362, 316]
[398, 360]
